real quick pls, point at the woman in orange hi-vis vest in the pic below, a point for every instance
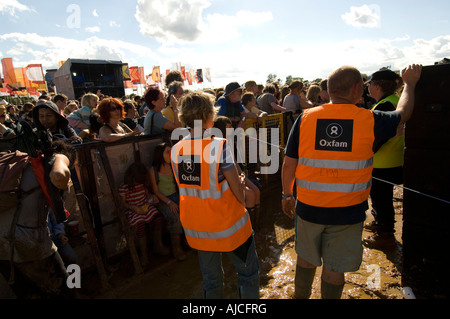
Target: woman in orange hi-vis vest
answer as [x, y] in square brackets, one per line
[212, 210]
[329, 157]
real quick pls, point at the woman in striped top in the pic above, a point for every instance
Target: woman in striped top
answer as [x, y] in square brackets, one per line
[139, 204]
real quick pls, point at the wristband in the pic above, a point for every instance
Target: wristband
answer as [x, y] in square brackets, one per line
[289, 197]
[168, 202]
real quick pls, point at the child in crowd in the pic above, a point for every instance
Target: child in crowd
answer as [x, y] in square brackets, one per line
[251, 107]
[139, 204]
[165, 188]
[79, 119]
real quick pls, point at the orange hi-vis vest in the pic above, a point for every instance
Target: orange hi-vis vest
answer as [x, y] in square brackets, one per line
[335, 156]
[212, 217]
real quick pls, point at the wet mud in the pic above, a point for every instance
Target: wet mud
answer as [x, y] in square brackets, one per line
[379, 276]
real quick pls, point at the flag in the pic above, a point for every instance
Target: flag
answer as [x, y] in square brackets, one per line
[199, 76]
[189, 77]
[156, 74]
[34, 77]
[192, 75]
[134, 74]
[141, 75]
[20, 77]
[126, 72]
[8, 71]
[35, 73]
[183, 73]
[207, 74]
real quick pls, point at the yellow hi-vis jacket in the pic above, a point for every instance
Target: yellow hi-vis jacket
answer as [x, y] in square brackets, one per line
[391, 154]
[212, 217]
[335, 155]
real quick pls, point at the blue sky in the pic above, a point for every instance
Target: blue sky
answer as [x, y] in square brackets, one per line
[238, 40]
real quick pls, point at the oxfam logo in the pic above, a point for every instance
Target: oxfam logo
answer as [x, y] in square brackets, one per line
[334, 130]
[188, 166]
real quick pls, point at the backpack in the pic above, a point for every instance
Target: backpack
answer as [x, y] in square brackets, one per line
[11, 168]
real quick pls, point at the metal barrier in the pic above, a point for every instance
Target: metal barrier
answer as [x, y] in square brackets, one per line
[274, 121]
[98, 173]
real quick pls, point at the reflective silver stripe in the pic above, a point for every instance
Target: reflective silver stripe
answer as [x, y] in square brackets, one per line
[205, 194]
[214, 152]
[219, 235]
[330, 187]
[333, 164]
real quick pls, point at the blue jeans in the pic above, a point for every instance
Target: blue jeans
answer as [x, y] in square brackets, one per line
[173, 220]
[248, 273]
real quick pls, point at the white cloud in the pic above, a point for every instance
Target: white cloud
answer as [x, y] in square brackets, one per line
[317, 61]
[11, 6]
[368, 16]
[114, 24]
[94, 13]
[48, 51]
[182, 21]
[95, 29]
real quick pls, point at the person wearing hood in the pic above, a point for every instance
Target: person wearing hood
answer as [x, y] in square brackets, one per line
[46, 116]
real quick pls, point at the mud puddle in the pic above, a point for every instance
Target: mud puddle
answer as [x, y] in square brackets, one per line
[379, 276]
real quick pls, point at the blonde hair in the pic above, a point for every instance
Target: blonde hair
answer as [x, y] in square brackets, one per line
[313, 93]
[196, 106]
[87, 98]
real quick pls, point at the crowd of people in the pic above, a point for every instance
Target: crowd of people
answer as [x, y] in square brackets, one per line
[169, 194]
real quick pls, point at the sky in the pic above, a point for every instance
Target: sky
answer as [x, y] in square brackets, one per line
[239, 40]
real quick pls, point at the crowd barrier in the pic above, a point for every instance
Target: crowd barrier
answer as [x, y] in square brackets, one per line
[94, 202]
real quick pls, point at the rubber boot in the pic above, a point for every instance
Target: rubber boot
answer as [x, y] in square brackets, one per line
[330, 291]
[143, 251]
[177, 251]
[304, 278]
[159, 248]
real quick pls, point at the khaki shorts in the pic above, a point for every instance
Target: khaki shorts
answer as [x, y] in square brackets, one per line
[338, 247]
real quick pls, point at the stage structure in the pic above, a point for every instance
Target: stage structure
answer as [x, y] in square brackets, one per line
[77, 77]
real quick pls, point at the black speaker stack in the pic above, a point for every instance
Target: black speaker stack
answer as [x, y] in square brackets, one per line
[426, 208]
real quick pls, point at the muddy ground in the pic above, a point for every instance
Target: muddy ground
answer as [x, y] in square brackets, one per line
[379, 276]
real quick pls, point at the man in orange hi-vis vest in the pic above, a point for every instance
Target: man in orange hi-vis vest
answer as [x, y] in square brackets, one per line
[212, 203]
[329, 157]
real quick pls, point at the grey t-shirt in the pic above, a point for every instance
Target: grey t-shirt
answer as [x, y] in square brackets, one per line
[264, 102]
[154, 122]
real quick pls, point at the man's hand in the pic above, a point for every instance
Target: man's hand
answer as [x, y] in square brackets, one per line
[411, 74]
[289, 207]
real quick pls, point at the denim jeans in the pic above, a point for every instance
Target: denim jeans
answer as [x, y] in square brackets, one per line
[248, 273]
[173, 220]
